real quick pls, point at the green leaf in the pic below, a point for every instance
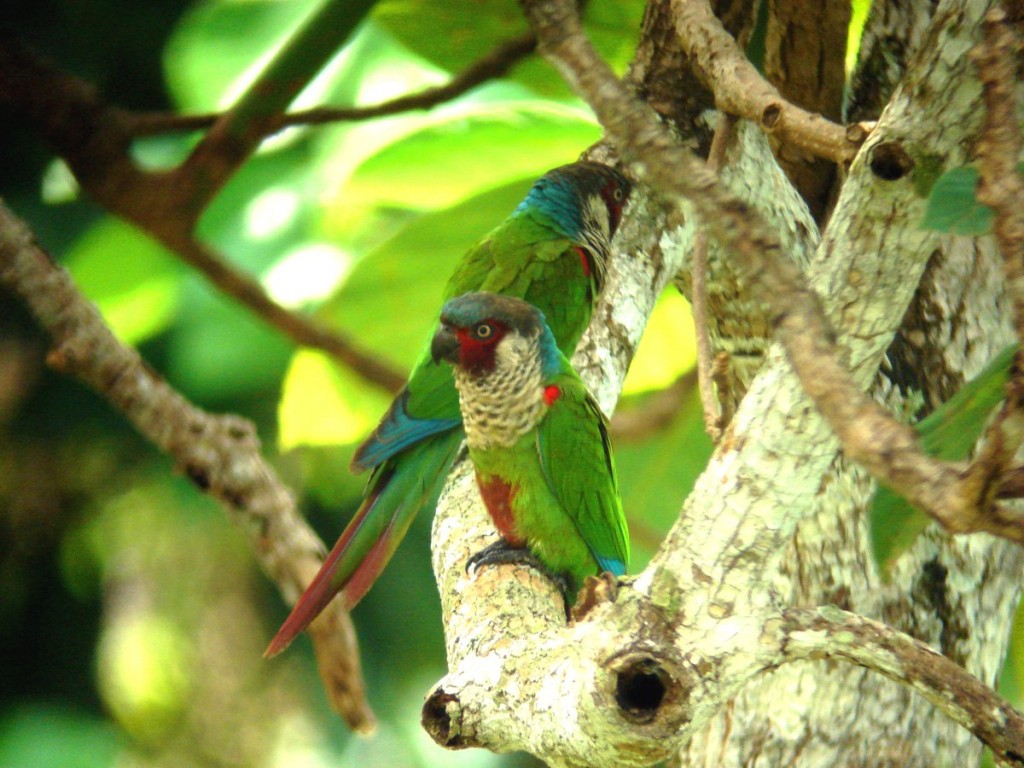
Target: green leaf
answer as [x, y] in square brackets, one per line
[668, 348]
[440, 161]
[56, 736]
[462, 31]
[133, 280]
[948, 433]
[218, 47]
[657, 472]
[953, 207]
[220, 351]
[413, 267]
[325, 404]
[389, 303]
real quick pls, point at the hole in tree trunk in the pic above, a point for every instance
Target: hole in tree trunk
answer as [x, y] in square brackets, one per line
[640, 690]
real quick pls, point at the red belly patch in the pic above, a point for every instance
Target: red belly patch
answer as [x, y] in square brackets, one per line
[497, 496]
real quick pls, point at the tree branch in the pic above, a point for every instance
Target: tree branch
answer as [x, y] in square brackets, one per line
[888, 449]
[741, 91]
[834, 634]
[640, 675]
[219, 454]
[236, 134]
[493, 65]
[714, 422]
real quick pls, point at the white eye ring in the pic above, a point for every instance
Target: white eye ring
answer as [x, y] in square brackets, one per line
[483, 331]
[617, 194]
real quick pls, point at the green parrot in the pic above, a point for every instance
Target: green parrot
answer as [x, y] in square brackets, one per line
[537, 440]
[553, 252]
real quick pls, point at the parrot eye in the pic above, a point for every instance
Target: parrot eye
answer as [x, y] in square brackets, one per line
[483, 331]
[617, 194]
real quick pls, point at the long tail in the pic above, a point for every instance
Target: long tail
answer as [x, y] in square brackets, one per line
[398, 490]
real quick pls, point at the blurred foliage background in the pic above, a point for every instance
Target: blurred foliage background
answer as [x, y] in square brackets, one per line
[132, 616]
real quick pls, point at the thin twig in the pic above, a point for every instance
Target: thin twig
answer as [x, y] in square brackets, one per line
[493, 65]
[740, 90]
[835, 634]
[722, 379]
[713, 422]
[301, 329]
[219, 454]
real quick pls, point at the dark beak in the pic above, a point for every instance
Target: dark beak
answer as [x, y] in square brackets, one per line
[444, 346]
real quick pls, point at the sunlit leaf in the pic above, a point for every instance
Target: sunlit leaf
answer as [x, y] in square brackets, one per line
[134, 281]
[325, 404]
[667, 349]
[469, 148]
[461, 31]
[858, 17]
[391, 299]
[220, 45]
[268, 208]
[142, 674]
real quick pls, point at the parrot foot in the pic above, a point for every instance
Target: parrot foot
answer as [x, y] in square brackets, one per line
[502, 553]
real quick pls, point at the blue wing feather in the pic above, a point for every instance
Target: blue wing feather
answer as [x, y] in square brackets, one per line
[397, 431]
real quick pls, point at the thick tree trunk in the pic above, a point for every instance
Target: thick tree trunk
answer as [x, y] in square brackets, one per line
[958, 594]
[778, 519]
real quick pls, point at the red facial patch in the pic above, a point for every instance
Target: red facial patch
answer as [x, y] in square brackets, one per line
[497, 496]
[551, 395]
[477, 355]
[614, 206]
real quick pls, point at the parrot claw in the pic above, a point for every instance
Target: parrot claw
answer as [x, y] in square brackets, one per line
[503, 553]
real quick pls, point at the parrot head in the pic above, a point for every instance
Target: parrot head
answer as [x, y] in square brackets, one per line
[482, 333]
[585, 199]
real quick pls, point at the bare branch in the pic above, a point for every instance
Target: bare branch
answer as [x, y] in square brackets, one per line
[299, 328]
[713, 422]
[805, 57]
[834, 634]
[741, 91]
[219, 454]
[493, 65]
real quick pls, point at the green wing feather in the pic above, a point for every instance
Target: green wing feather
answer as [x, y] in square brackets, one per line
[584, 481]
[523, 257]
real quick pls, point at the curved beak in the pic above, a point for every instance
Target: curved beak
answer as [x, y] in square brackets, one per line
[444, 346]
